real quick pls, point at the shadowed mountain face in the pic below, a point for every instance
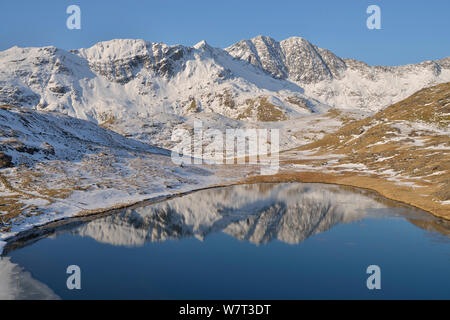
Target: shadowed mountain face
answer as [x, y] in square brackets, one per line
[257, 213]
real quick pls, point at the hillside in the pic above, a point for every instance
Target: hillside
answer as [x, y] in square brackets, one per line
[54, 166]
[402, 151]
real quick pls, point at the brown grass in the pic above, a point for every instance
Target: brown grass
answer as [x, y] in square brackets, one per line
[263, 110]
[298, 102]
[226, 99]
[369, 142]
[193, 106]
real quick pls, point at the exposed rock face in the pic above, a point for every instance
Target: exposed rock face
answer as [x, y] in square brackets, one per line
[294, 58]
[5, 161]
[124, 62]
[262, 52]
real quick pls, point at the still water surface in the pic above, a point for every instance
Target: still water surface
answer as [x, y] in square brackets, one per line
[263, 241]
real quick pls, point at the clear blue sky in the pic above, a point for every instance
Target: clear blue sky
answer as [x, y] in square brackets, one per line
[412, 31]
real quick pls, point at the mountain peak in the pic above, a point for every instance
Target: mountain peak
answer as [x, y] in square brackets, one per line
[296, 38]
[115, 49]
[294, 58]
[202, 45]
[264, 38]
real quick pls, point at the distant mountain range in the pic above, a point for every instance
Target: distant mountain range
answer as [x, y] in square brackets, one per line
[253, 80]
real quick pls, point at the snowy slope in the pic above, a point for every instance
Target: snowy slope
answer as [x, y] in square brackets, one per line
[29, 136]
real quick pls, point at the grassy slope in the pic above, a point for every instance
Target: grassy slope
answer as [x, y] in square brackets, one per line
[403, 152]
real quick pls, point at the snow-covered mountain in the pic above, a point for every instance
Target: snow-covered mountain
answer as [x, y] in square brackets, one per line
[128, 78]
[134, 76]
[339, 82]
[295, 59]
[145, 90]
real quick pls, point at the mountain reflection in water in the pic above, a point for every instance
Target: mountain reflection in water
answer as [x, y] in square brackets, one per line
[256, 213]
[259, 214]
